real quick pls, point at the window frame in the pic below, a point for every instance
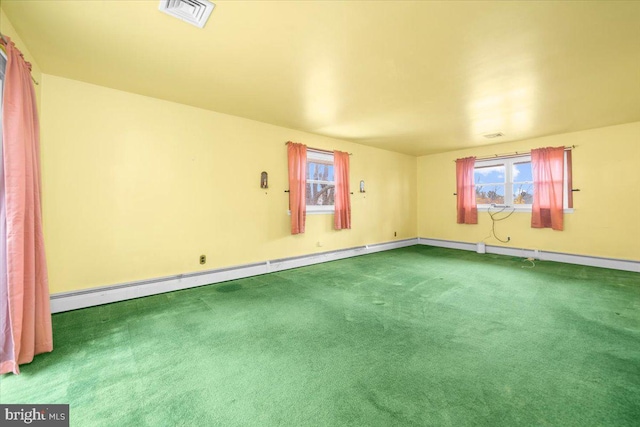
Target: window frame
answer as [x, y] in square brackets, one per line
[323, 157]
[489, 164]
[508, 162]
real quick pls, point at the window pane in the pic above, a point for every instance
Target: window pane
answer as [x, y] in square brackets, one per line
[522, 172]
[487, 194]
[523, 193]
[320, 194]
[488, 175]
[319, 171]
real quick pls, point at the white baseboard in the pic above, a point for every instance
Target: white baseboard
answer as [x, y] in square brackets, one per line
[613, 263]
[66, 301]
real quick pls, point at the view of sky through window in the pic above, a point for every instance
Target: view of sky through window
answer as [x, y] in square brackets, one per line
[320, 184]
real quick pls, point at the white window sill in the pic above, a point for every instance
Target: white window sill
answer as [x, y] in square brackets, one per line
[314, 212]
[508, 208]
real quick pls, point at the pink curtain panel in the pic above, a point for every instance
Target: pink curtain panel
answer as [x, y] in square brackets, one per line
[25, 313]
[547, 165]
[297, 154]
[466, 191]
[342, 217]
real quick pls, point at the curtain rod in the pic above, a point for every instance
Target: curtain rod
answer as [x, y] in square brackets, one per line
[514, 154]
[6, 43]
[321, 150]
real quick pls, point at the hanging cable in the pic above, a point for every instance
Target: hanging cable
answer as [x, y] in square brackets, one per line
[495, 219]
[531, 260]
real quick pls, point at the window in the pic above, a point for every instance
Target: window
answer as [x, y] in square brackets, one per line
[321, 185]
[508, 181]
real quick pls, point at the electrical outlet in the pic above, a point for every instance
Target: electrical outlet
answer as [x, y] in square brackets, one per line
[395, 234]
[203, 259]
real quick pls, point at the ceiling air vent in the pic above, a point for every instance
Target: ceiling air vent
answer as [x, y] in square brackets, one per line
[494, 135]
[195, 12]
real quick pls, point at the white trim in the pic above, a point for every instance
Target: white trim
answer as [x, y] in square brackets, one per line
[517, 208]
[613, 263]
[66, 301]
[319, 156]
[318, 211]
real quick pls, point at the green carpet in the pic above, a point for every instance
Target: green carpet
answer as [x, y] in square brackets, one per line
[414, 336]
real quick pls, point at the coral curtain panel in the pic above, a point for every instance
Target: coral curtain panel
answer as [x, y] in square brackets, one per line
[569, 178]
[297, 185]
[547, 165]
[25, 313]
[342, 217]
[466, 191]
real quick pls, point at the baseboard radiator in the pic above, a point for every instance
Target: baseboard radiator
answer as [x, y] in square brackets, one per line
[107, 294]
[67, 301]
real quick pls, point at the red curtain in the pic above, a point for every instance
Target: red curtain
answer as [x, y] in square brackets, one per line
[466, 191]
[24, 288]
[297, 186]
[547, 165]
[342, 217]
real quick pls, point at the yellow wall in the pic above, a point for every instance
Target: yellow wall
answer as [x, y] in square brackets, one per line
[7, 29]
[605, 222]
[138, 188]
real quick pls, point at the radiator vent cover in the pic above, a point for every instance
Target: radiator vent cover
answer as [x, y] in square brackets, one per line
[493, 135]
[195, 12]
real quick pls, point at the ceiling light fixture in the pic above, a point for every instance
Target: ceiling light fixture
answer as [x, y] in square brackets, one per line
[195, 12]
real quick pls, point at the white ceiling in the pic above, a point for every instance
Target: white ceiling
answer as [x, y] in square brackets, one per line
[413, 77]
